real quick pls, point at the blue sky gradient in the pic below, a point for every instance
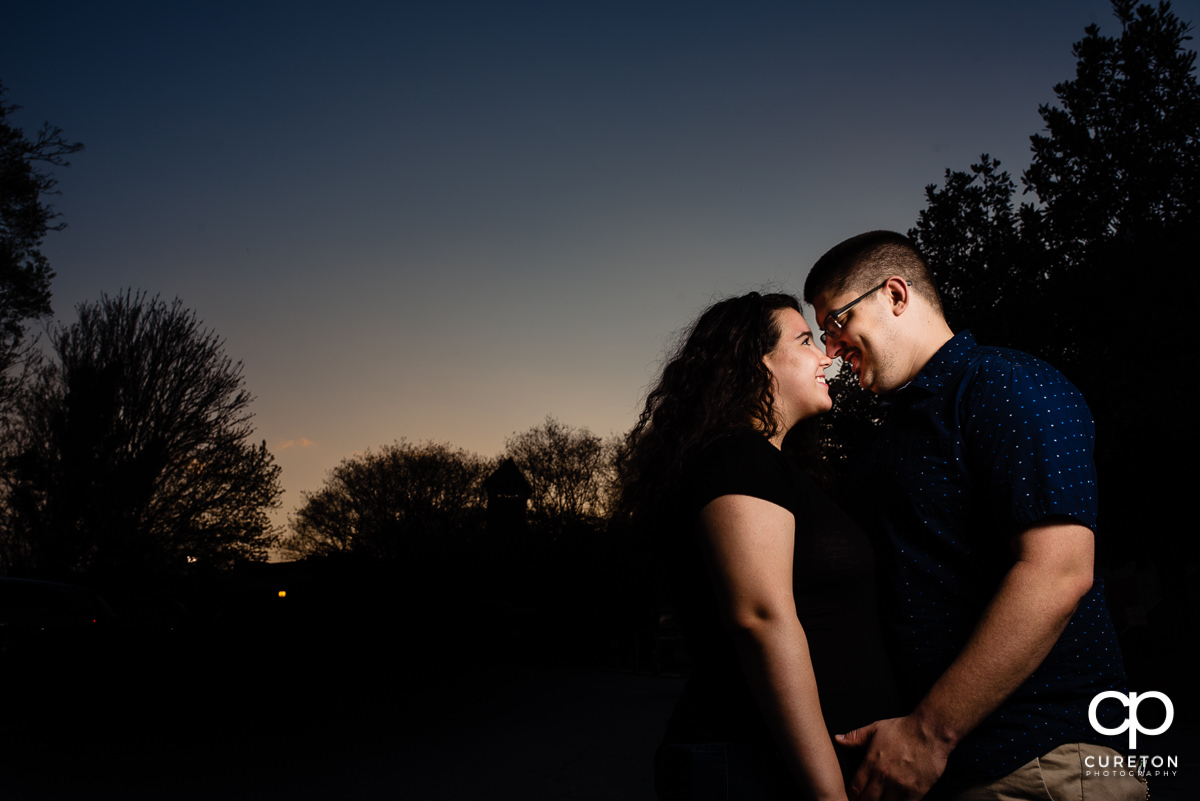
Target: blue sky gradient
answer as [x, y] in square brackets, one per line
[448, 220]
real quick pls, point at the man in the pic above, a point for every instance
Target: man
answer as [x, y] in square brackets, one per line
[981, 494]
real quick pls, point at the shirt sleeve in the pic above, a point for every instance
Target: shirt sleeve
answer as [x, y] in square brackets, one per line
[742, 464]
[1031, 440]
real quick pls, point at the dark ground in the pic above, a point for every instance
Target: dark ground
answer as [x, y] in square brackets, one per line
[504, 733]
[359, 694]
[358, 691]
[528, 734]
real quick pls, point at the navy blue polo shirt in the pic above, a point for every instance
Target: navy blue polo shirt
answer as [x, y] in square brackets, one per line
[982, 444]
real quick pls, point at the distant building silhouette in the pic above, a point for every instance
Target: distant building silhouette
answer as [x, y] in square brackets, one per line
[508, 494]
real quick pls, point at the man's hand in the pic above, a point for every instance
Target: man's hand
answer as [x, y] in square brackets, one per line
[1052, 572]
[902, 762]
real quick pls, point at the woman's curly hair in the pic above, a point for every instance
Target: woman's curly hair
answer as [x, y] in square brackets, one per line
[714, 383]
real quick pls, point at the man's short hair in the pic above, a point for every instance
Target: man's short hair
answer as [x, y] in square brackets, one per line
[867, 260]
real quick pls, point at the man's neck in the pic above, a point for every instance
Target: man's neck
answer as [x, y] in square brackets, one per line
[933, 338]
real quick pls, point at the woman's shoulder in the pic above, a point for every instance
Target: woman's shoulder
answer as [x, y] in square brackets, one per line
[740, 442]
[744, 462]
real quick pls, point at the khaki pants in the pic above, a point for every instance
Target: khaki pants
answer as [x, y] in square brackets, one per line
[1062, 775]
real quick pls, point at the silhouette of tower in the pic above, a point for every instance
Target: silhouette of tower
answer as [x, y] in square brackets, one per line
[508, 494]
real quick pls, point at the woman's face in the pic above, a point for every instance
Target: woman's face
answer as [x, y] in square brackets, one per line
[797, 364]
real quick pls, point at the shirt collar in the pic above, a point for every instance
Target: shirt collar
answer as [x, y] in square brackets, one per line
[944, 364]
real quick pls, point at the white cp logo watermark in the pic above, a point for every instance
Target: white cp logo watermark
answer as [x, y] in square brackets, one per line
[1132, 700]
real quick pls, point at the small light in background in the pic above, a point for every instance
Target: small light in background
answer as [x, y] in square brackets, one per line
[283, 593]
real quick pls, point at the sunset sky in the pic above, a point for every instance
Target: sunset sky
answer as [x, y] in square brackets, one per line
[447, 220]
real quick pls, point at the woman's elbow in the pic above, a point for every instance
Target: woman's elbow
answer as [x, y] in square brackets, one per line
[754, 620]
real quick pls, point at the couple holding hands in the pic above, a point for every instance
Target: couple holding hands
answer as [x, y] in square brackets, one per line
[943, 636]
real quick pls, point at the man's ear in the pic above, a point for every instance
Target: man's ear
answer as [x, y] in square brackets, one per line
[899, 294]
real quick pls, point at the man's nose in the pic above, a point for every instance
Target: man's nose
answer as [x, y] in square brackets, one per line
[832, 346]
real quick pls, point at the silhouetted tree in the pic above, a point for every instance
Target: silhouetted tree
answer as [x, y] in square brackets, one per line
[25, 217]
[133, 449]
[1108, 240]
[1120, 160]
[383, 504]
[989, 267]
[571, 471]
[1116, 178]
[839, 436]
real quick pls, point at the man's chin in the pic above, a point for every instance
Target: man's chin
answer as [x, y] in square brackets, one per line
[867, 382]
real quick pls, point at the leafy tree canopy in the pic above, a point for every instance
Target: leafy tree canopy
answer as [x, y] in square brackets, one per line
[571, 471]
[382, 504]
[1115, 186]
[1105, 236]
[1120, 158]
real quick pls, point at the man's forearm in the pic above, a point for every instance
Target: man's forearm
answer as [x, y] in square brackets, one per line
[906, 756]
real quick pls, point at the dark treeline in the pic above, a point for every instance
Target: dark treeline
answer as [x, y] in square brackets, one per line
[1088, 272]
[516, 550]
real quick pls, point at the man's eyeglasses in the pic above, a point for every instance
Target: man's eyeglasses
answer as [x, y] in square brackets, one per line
[833, 326]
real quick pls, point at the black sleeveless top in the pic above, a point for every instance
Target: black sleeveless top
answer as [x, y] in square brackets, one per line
[833, 578]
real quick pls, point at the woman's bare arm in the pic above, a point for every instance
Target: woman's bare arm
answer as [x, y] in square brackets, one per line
[750, 545]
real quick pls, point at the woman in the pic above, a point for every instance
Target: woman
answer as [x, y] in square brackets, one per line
[773, 584]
